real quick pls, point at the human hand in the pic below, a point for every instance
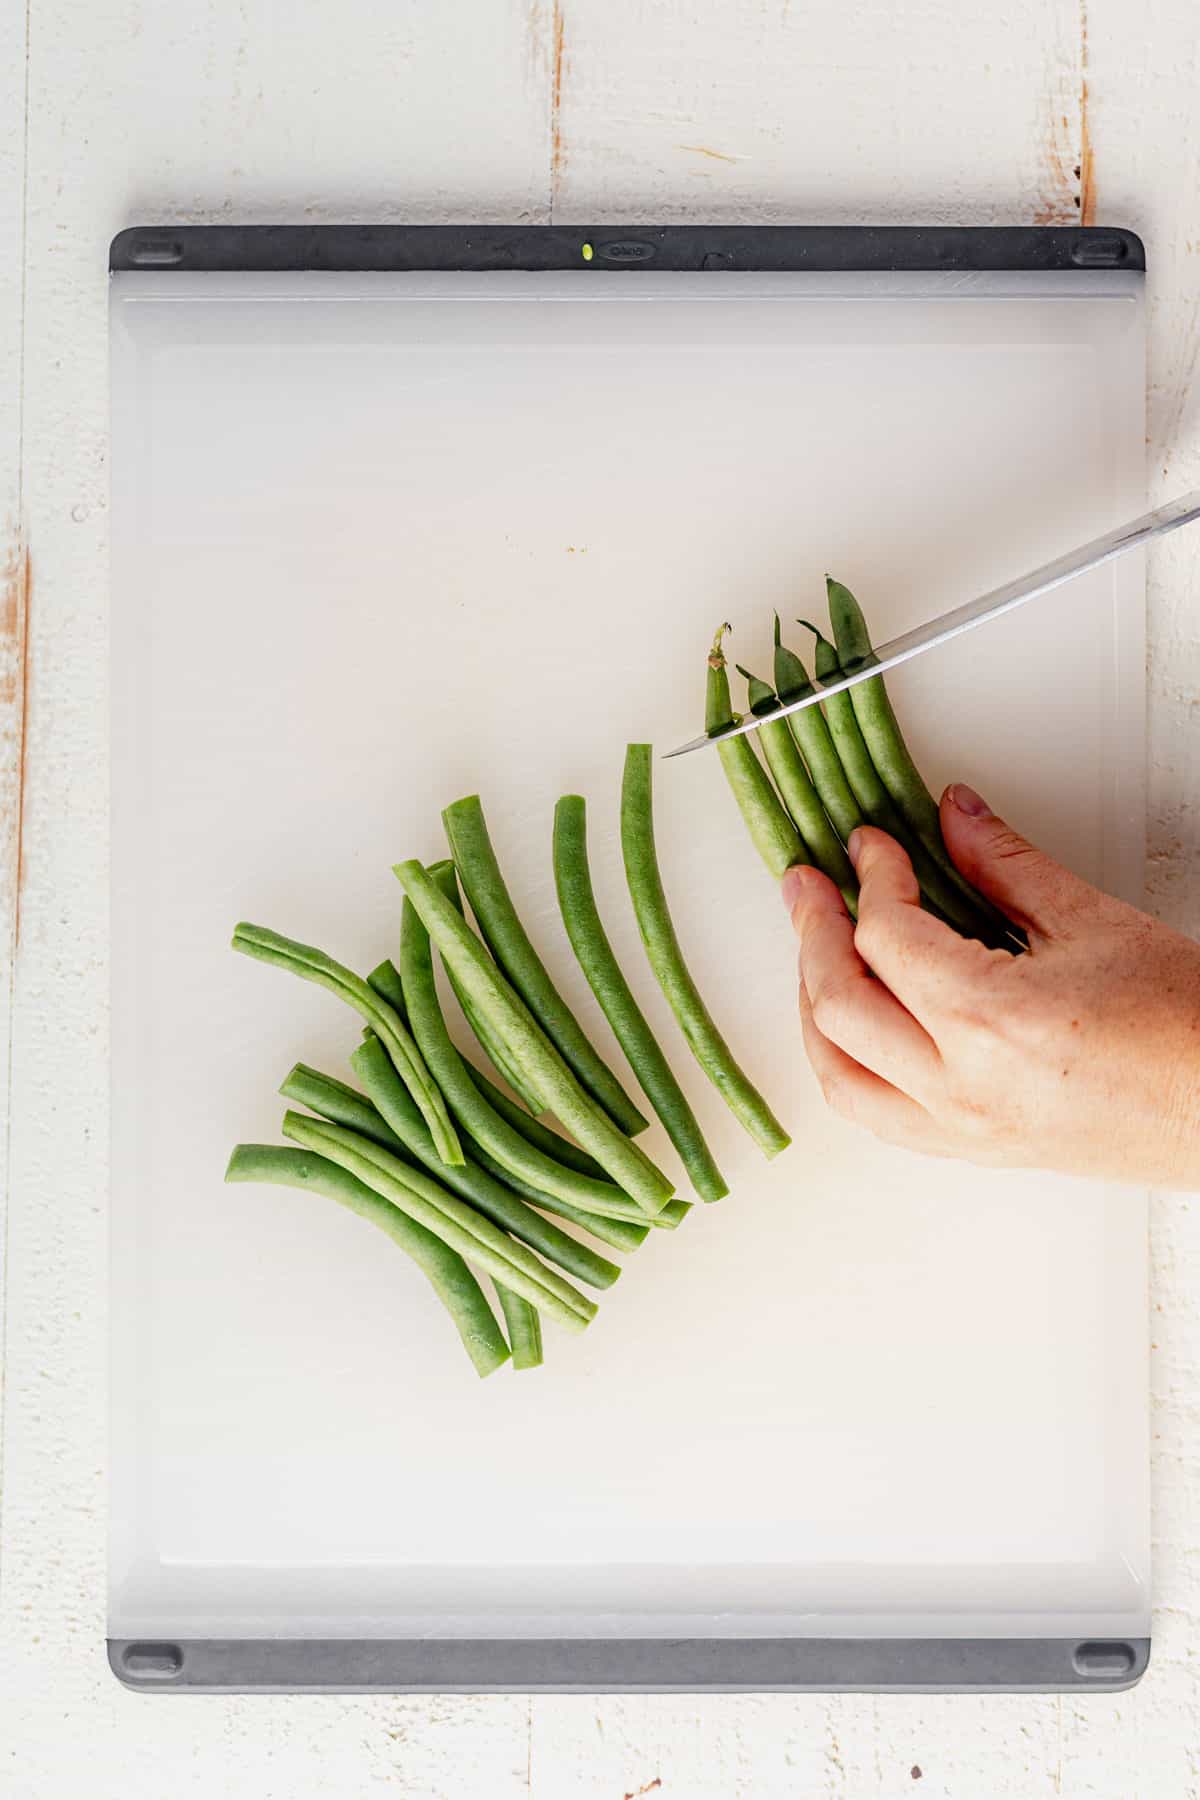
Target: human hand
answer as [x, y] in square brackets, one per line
[1081, 1055]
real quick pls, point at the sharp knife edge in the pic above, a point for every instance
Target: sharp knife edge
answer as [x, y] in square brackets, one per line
[949, 625]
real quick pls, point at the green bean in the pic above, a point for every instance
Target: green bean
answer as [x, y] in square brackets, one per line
[448, 1274]
[621, 1231]
[666, 958]
[314, 965]
[771, 831]
[390, 1101]
[343, 1105]
[535, 1132]
[530, 1048]
[506, 937]
[524, 1328]
[589, 940]
[457, 1224]
[443, 873]
[385, 979]
[815, 742]
[877, 804]
[890, 753]
[799, 795]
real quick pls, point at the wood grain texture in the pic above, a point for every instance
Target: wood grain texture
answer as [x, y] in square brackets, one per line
[759, 110]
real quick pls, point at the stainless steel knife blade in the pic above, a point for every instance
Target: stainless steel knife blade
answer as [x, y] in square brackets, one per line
[948, 625]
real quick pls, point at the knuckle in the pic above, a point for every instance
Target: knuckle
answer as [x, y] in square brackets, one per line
[1007, 845]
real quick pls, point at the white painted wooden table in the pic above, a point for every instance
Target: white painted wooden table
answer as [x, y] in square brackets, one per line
[121, 111]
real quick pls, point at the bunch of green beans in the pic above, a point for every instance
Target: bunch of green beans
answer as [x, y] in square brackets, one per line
[836, 766]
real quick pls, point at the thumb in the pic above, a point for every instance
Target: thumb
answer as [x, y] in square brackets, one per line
[1021, 880]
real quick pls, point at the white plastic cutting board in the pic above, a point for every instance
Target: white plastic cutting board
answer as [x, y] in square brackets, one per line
[380, 541]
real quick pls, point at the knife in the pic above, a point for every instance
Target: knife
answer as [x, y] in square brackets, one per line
[977, 612]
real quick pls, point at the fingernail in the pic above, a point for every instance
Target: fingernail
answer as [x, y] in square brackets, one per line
[853, 844]
[968, 801]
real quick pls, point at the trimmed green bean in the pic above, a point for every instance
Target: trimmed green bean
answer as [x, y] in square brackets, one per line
[443, 873]
[667, 961]
[815, 741]
[625, 1231]
[589, 940]
[798, 793]
[771, 831]
[506, 937]
[448, 1274]
[536, 1132]
[621, 1210]
[524, 1328]
[889, 752]
[456, 1223]
[390, 1101]
[314, 965]
[532, 1050]
[877, 804]
[343, 1105]
[385, 979]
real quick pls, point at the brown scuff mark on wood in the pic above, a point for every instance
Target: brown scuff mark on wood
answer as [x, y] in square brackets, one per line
[647, 1787]
[14, 715]
[558, 154]
[703, 150]
[1086, 169]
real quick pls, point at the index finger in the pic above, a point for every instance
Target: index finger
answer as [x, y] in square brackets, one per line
[920, 958]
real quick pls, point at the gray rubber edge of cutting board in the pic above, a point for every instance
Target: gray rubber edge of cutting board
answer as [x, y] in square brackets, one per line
[646, 1665]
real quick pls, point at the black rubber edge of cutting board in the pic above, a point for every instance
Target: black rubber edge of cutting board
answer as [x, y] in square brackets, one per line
[481, 248]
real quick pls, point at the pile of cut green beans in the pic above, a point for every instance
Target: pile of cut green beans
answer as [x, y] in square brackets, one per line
[453, 1152]
[833, 767]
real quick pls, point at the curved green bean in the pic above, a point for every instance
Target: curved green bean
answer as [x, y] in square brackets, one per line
[589, 940]
[443, 873]
[535, 1132]
[341, 1104]
[457, 1224]
[530, 1048]
[667, 961]
[621, 1206]
[815, 742]
[771, 831]
[448, 1274]
[624, 1231]
[506, 937]
[344, 1105]
[385, 979]
[798, 793]
[877, 804]
[524, 1328]
[391, 1103]
[314, 965]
